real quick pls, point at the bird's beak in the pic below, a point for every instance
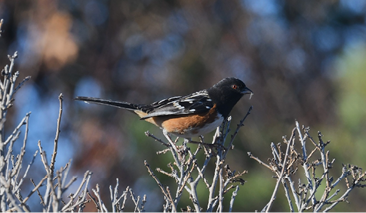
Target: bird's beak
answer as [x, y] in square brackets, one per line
[246, 90]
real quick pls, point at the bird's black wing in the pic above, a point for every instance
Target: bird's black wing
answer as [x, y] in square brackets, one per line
[194, 103]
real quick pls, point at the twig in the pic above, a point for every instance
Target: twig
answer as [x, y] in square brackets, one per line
[58, 130]
[279, 178]
[148, 134]
[259, 161]
[233, 196]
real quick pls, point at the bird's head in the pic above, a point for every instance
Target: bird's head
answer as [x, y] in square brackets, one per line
[227, 93]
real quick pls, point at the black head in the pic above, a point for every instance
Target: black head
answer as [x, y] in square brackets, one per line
[226, 93]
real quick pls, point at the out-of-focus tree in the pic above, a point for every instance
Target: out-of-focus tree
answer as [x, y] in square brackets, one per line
[287, 52]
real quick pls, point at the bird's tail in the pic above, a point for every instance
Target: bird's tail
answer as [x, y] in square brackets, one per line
[118, 104]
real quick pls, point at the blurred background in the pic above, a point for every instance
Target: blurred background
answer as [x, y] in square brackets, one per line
[304, 60]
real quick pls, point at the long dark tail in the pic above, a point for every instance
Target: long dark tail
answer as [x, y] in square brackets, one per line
[118, 104]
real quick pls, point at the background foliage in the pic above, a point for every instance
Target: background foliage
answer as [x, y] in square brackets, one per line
[304, 60]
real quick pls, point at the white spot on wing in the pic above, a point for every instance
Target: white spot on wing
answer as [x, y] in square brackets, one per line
[189, 100]
[176, 104]
[200, 93]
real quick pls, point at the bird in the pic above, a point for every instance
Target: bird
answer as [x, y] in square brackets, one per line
[187, 116]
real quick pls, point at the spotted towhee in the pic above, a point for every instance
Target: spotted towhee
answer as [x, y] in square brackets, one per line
[187, 116]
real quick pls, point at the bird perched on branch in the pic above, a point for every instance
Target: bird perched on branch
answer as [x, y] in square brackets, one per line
[187, 116]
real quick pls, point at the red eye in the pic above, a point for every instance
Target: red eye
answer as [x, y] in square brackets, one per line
[234, 86]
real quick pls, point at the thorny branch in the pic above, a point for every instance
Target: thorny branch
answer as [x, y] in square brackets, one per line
[55, 182]
[185, 163]
[286, 164]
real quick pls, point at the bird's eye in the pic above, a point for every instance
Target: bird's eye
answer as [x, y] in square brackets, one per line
[234, 86]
